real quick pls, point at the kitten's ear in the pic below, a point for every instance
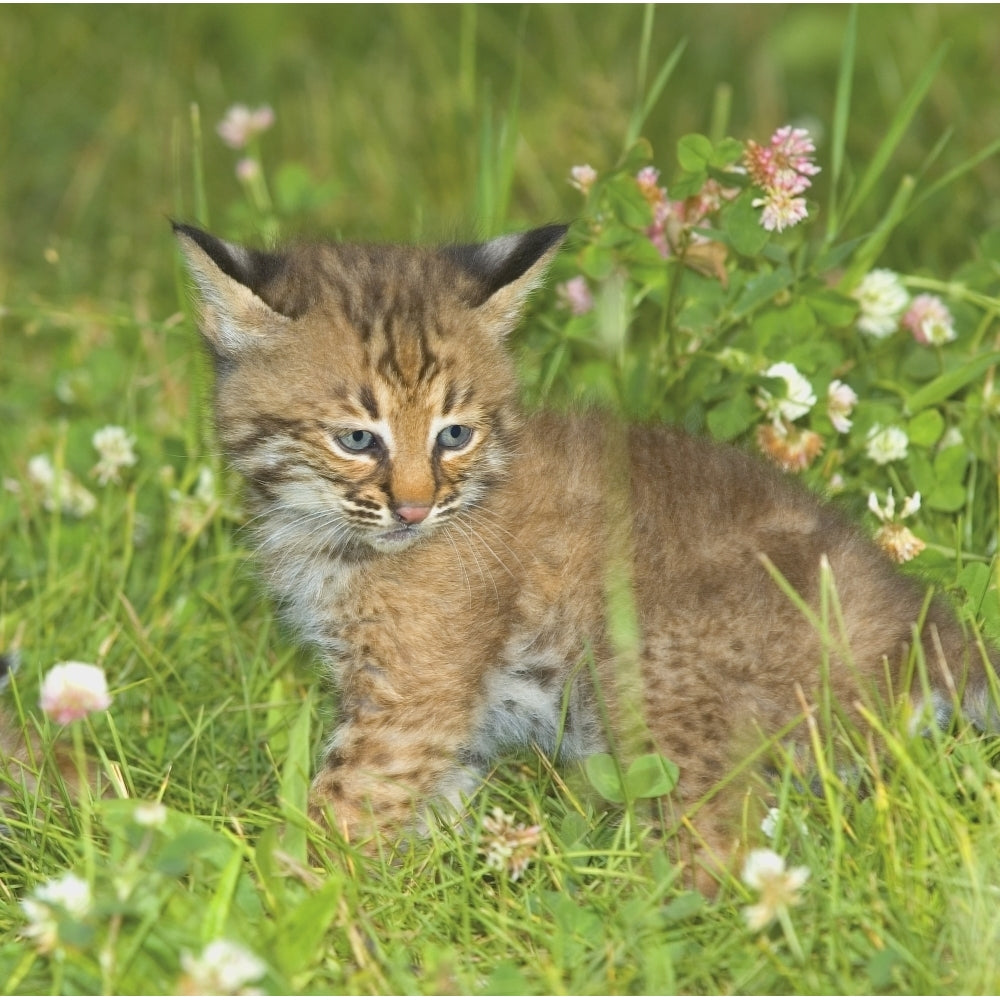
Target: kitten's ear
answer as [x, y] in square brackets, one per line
[507, 269]
[234, 317]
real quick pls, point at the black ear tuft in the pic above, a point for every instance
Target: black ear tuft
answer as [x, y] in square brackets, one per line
[253, 268]
[505, 259]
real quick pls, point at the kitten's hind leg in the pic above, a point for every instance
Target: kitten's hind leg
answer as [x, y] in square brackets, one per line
[954, 675]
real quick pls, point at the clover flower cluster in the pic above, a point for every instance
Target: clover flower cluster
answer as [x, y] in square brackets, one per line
[67, 896]
[885, 307]
[789, 446]
[778, 887]
[783, 169]
[674, 221]
[238, 130]
[73, 690]
[508, 846]
[893, 536]
[55, 909]
[773, 819]
[59, 489]
[223, 968]
[192, 511]
[115, 450]
[241, 124]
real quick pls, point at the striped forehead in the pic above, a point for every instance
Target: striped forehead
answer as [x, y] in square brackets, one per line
[379, 398]
[406, 351]
[398, 307]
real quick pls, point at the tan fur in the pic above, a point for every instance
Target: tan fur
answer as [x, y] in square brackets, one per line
[31, 772]
[457, 638]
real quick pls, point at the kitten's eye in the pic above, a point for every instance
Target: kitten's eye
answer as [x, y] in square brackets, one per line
[358, 441]
[455, 436]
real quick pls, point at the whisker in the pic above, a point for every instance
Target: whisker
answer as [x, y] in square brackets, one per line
[461, 562]
[482, 522]
[483, 571]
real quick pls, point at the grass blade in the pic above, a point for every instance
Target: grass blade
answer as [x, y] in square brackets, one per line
[217, 911]
[497, 151]
[295, 782]
[894, 134]
[958, 172]
[950, 382]
[646, 99]
[841, 115]
[869, 251]
[198, 169]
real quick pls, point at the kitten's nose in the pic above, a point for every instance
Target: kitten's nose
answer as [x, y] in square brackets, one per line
[412, 513]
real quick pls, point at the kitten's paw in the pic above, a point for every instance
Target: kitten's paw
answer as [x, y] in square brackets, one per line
[710, 849]
[330, 809]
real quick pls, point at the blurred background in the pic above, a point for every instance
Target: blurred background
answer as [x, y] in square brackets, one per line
[389, 120]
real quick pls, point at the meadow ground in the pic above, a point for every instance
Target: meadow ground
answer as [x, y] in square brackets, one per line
[421, 123]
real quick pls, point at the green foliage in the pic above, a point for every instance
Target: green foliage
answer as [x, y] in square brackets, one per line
[675, 303]
[647, 777]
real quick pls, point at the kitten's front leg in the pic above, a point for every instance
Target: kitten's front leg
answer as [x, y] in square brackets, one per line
[395, 751]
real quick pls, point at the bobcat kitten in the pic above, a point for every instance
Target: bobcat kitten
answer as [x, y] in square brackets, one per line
[451, 555]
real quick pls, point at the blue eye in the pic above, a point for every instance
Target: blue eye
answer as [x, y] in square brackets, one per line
[455, 436]
[358, 441]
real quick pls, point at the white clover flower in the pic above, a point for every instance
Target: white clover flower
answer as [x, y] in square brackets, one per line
[798, 398]
[192, 510]
[508, 846]
[782, 169]
[951, 438]
[41, 472]
[240, 124]
[150, 814]
[648, 180]
[893, 536]
[204, 489]
[67, 895]
[69, 892]
[886, 444]
[840, 401]
[899, 542]
[929, 320]
[224, 968]
[769, 824]
[248, 169]
[882, 298]
[765, 871]
[59, 488]
[781, 209]
[77, 500]
[114, 447]
[583, 177]
[888, 512]
[72, 691]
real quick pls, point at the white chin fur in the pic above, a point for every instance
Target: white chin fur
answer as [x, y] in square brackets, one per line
[396, 540]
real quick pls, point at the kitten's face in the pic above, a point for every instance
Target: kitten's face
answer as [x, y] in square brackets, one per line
[375, 436]
[364, 393]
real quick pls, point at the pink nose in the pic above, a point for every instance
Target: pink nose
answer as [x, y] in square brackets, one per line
[412, 513]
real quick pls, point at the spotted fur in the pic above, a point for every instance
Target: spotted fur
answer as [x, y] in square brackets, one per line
[452, 557]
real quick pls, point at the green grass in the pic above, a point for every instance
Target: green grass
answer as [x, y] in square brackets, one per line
[428, 123]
